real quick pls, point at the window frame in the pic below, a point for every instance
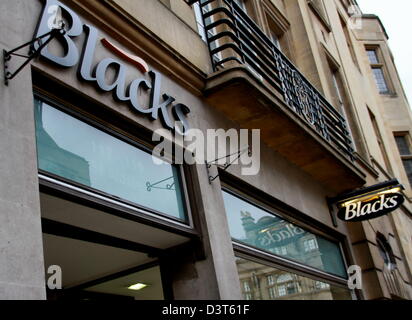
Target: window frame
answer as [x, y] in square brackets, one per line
[275, 22]
[251, 253]
[382, 66]
[52, 183]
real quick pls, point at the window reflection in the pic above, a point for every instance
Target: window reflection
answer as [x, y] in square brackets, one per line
[251, 225]
[268, 283]
[79, 152]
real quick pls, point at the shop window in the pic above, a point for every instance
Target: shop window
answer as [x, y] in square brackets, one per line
[404, 146]
[378, 69]
[78, 152]
[288, 285]
[263, 230]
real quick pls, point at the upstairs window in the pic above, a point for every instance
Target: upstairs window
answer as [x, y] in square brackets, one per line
[372, 56]
[378, 70]
[380, 80]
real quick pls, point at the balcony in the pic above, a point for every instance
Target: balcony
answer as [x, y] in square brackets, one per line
[257, 86]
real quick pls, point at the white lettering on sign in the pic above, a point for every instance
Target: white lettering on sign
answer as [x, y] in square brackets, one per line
[372, 208]
[357, 210]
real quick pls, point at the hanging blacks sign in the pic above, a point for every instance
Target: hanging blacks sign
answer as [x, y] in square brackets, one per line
[370, 203]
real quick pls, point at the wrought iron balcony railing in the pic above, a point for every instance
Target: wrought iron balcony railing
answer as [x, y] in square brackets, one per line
[233, 37]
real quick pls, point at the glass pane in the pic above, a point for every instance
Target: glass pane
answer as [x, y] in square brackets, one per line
[373, 58]
[253, 226]
[285, 285]
[402, 145]
[380, 80]
[72, 149]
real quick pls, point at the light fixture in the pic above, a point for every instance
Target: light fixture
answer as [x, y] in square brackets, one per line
[371, 196]
[137, 286]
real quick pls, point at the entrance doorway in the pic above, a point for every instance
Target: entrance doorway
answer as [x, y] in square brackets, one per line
[101, 255]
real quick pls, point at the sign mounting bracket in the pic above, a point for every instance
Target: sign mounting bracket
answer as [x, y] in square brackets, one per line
[227, 164]
[33, 53]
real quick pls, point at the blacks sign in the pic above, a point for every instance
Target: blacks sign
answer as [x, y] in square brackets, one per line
[370, 209]
[371, 202]
[150, 82]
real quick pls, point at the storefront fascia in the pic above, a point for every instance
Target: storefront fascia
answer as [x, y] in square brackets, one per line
[87, 100]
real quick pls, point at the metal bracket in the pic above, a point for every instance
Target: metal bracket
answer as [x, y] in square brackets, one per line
[151, 186]
[227, 164]
[7, 55]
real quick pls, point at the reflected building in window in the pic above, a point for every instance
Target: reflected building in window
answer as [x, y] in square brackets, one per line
[268, 283]
[282, 238]
[53, 158]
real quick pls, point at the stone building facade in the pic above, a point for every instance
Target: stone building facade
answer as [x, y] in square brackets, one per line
[82, 197]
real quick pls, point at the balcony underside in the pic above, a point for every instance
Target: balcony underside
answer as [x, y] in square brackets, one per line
[247, 101]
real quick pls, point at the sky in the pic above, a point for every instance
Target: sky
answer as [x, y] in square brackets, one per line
[396, 17]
